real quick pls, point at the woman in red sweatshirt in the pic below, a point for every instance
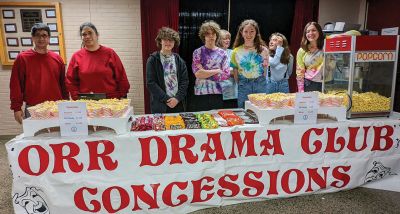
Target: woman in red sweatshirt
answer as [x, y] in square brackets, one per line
[96, 68]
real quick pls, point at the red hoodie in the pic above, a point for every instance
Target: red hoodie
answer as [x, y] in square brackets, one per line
[36, 78]
[99, 71]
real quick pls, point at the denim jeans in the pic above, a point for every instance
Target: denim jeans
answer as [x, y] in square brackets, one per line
[312, 86]
[277, 86]
[250, 86]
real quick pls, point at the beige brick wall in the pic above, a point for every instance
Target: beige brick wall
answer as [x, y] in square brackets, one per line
[118, 23]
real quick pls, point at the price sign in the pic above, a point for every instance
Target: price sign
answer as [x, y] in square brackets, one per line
[73, 118]
[306, 108]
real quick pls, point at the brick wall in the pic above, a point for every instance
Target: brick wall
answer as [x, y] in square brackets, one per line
[118, 23]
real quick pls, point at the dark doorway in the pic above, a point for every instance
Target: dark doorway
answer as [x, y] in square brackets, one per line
[271, 16]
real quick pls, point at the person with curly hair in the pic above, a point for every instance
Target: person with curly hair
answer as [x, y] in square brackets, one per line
[210, 66]
[166, 75]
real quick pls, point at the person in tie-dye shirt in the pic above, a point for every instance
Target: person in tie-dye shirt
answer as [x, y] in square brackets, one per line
[166, 75]
[249, 61]
[310, 59]
[210, 66]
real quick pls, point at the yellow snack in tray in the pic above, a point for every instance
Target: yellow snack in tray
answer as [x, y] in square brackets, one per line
[365, 102]
[274, 101]
[370, 102]
[174, 122]
[100, 108]
[118, 110]
[93, 110]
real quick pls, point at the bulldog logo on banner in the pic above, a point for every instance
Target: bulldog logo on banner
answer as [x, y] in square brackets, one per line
[377, 172]
[32, 201]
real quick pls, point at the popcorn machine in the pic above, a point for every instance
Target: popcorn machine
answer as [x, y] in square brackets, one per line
[363, 70]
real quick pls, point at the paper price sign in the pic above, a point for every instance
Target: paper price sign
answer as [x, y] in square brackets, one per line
[306, 108]
[73, 118]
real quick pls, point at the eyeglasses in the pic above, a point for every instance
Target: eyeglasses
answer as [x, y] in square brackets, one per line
[42, 36]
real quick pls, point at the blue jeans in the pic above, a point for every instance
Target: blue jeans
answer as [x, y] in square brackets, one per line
[312, 86]
[250, 86]
[277, 86]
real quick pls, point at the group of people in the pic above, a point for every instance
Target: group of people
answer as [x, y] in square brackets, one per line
[38, 74]
[224, 77]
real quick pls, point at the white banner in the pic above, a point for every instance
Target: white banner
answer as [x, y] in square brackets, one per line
[186, 170]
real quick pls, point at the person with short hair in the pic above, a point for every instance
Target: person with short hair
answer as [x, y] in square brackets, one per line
[280, 64]
[249, 61]
[210, 66]
[96, 68]
[37, 75]
[229, 86]
[166, 75]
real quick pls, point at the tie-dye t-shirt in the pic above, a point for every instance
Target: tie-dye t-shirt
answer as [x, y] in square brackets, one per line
[248, 62]
[308, 66]
[170, 74]
[209, 59]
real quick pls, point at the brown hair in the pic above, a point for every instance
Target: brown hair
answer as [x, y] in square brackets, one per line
[209, 25]
[167, 33]
[223, 34]
[258, 42]
[286, 51]
[320, 41]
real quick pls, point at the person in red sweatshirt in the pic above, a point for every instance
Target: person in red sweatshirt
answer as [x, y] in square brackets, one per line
[37, 75]
[95, 68]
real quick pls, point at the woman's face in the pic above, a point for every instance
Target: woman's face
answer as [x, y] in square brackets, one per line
[249, 33]
[312, 33]
[226, 41]
[274, 42]
[167, 45]
[210, 37]
[89, 37]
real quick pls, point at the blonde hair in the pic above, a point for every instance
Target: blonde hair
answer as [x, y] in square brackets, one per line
[209, 25]
[223, 34]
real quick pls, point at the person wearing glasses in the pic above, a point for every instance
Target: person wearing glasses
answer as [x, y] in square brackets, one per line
[96, 68]
[37, 75]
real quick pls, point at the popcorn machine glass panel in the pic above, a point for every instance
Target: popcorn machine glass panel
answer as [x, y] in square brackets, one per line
[364, 72]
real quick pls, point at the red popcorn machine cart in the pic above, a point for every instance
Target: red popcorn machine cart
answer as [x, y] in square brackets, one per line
[363, 70]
